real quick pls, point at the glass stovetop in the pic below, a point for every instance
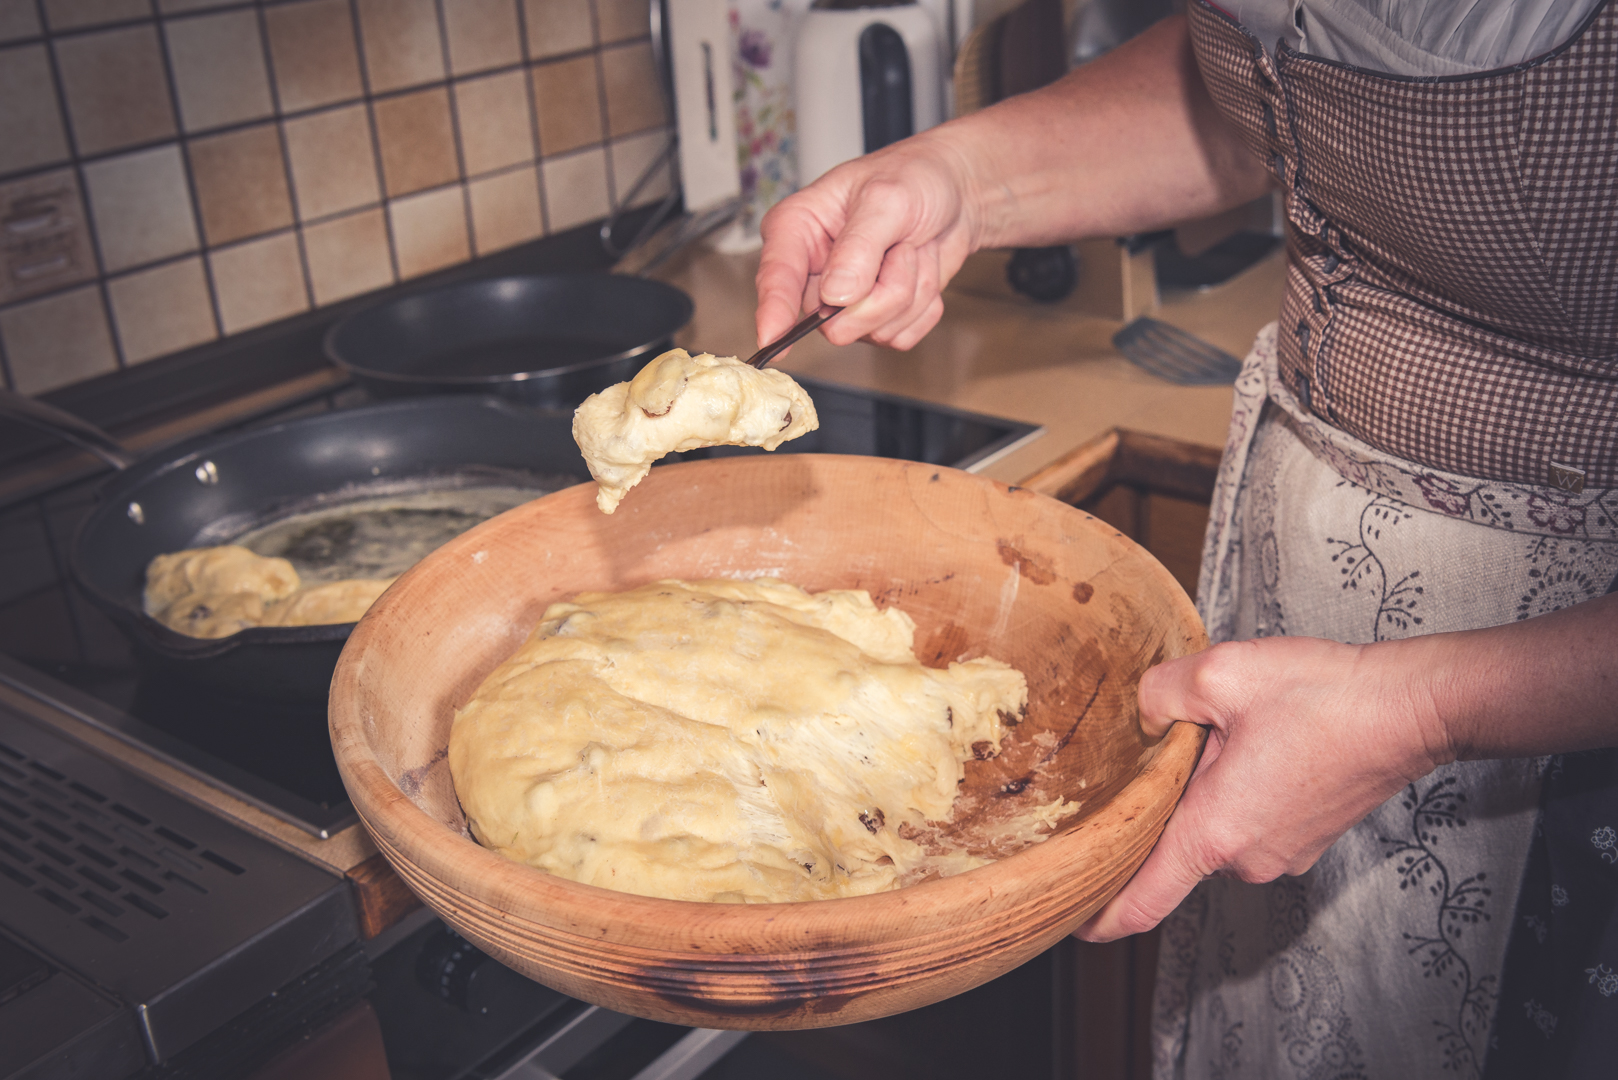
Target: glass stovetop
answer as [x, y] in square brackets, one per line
[277, 755]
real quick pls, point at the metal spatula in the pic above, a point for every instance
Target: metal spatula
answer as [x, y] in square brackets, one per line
[1170, 353]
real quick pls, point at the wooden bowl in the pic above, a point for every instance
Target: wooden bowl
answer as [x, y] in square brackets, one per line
[984, 569]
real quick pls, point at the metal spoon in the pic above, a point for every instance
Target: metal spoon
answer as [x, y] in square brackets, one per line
[790, 338]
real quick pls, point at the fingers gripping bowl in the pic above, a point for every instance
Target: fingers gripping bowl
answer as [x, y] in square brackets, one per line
[983, 570]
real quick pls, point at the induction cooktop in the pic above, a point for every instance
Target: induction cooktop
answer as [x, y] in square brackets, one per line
[276, 755]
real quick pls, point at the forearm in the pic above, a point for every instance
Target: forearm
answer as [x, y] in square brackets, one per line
[1128, 143]
[1540, 686]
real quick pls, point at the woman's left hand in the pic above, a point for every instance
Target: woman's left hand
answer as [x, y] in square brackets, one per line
[1305, 738]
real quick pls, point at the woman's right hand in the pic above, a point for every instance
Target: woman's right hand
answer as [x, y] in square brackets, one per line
[880, 236]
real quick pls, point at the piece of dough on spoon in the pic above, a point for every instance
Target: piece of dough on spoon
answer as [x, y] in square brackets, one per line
[680, 402]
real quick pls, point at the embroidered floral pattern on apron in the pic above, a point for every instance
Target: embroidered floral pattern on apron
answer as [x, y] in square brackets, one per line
[1414, 905]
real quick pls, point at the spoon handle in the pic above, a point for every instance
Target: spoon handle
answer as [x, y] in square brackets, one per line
[790, 338]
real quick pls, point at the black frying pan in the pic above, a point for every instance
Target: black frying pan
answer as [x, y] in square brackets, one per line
[546, 340]
[166, 502]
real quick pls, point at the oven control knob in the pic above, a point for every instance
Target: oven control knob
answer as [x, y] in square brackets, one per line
[452, 968]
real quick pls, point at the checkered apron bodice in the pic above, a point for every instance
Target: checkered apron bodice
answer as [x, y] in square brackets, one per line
[1452, 278]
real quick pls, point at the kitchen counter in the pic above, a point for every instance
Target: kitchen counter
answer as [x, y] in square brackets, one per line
[1006, 356]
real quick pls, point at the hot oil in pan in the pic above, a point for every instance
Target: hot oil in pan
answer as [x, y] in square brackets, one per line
[512, 356]
[378, 537]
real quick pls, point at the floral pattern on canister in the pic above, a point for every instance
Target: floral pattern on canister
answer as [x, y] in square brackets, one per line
[766, 126]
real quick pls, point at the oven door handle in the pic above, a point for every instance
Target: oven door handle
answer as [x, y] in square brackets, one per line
[687, 1059]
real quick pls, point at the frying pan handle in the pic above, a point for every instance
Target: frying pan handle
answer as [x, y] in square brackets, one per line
[65, 425]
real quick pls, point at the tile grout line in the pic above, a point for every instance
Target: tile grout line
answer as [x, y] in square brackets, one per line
[601, 103]
[537, 157]
[376, 139]
[182, 145]
[455, 127]
[120, 355]
[286, 159]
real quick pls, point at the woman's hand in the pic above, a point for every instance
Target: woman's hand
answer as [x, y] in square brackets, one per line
[1305, 738]
[1129, 142]
[879, 235]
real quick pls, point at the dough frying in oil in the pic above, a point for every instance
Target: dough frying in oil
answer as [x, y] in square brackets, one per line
[681, 402]
[213, 592]
[725, 741]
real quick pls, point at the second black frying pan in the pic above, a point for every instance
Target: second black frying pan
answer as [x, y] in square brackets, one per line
[547, 340]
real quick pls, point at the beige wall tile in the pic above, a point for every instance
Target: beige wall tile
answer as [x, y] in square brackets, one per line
[117, 93]
[575, 188]
[496, 130]
[429, 231]
[634, 102]
[219, 75]
[568, 104]
[348, 256]
[505, 209]
[30, 120]
[313, 52]
[631, 157]
[78, 14]
[333, 164]
[621, 20]
[141, 207]
[18, 19]
[162, 310]
[557, 26]
[258, 282]
[417, 141]
[45, 244]
[482, 34]
[241, 183]
[58, 340]
[402, 44]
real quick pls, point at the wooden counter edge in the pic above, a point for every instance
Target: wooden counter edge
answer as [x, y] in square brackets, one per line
[381, 898]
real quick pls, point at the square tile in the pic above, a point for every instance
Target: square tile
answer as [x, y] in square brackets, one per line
[162, 310]
[219, 73]
[567, 104]
[58, 340]
[241, 182]
[117, 91]
[45, 243]
[496, 128]
[630, 158]
[417, 141]
[313, 52]
[258, 282]
[348, 256]
[483, 35]
[634, 100]
[429, 231]
[575, 188]
[141, 206]
[79, 14]
[557, 26]
[505, 209]
[31, 121]
[333, 162]
[622, 20]
[401, 42]
[18, 19]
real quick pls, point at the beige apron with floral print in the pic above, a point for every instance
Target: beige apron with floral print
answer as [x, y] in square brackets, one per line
[1383, 960]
